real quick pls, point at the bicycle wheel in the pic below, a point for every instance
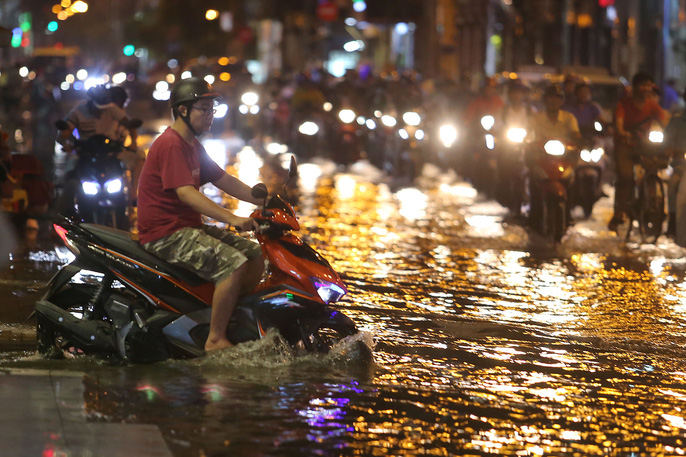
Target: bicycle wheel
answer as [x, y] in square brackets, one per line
[651, 212]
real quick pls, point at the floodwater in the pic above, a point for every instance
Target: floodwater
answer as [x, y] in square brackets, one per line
[487, 341]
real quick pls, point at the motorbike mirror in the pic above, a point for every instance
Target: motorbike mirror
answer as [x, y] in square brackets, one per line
[293, 168]
[259, 190]
[62, 125]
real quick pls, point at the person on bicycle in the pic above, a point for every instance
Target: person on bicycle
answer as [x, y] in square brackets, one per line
[632, 113]
[171, 206]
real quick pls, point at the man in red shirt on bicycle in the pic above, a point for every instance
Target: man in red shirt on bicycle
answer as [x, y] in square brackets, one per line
[633, 112]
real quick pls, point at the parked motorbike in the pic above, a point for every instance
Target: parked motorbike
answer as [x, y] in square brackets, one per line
[117, 300]
[550, 173]
[26, 191]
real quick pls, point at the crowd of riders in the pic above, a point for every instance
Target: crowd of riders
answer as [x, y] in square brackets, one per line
[397, 122]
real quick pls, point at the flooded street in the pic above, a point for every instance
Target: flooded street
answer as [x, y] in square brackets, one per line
[488, 340]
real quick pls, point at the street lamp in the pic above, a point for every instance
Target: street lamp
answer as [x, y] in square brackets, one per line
[211, 15]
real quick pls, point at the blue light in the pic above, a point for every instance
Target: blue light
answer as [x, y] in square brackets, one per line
[359, 6]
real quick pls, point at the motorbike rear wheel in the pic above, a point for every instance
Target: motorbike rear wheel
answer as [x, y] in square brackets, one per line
[554, 219]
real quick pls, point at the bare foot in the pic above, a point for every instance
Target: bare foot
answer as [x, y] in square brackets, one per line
[218, 344]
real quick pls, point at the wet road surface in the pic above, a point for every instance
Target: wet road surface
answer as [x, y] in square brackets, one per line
[488, 341]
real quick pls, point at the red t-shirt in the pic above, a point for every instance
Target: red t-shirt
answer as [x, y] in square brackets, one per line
[172, 162]
[634, 116]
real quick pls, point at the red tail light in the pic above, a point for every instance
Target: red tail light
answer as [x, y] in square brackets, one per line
[62, 232]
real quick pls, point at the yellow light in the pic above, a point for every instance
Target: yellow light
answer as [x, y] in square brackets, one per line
[80, 6]
[223, 61]
[65, 3]
[211, 15]
[170, 78]
[225, 76]
[62, 15]
[233, 60]
[56, 9]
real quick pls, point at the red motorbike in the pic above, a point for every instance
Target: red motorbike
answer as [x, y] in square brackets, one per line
[118, 300]
[550, 174]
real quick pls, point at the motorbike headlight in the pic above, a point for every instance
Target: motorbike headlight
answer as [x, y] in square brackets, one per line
[403, 134]
[361, 120]
[656, 136]
[254, 109]
[490, 141]
[597, 154]
[586, 155]
[346, 115]
[244, 109]
[250, 98]
[327, 106]
[554, 147]
[90, 187]
[598, 126]
[308, 128]
[419, 134]
[388, 121]
[487, 122]
[448, 135]
[328, 291]
[371, 125]
[412, 118]
[113, 186]
[516, 134]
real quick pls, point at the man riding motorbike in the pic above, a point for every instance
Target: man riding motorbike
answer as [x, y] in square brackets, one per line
[170, 208]
[514, 120]
[104, 114]
[632, 112]
[552, 123]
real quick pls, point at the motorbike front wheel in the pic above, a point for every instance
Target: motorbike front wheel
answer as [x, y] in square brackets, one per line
[651, 212]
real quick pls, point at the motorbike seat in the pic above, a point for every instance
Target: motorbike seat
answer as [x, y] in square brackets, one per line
[121, 241]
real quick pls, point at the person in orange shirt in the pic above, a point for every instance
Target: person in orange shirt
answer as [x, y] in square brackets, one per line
[633, 112]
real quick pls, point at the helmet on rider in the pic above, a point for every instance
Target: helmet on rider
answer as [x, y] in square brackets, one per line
[100, 96]
[188, 91]
[119, 96]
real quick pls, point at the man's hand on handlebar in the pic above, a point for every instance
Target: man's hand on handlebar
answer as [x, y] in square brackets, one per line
[245, 224]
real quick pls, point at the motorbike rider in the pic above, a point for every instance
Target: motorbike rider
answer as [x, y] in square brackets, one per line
[632, 113]
[551, 123]
[104, 114]
[487, 102]
[584, 109]
[170, 208]
[675, 144]
[515, 114]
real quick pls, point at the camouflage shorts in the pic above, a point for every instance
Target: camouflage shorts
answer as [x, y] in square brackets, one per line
[208, 251]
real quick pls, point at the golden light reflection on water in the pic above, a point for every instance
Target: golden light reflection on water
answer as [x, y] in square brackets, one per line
[500, 351]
